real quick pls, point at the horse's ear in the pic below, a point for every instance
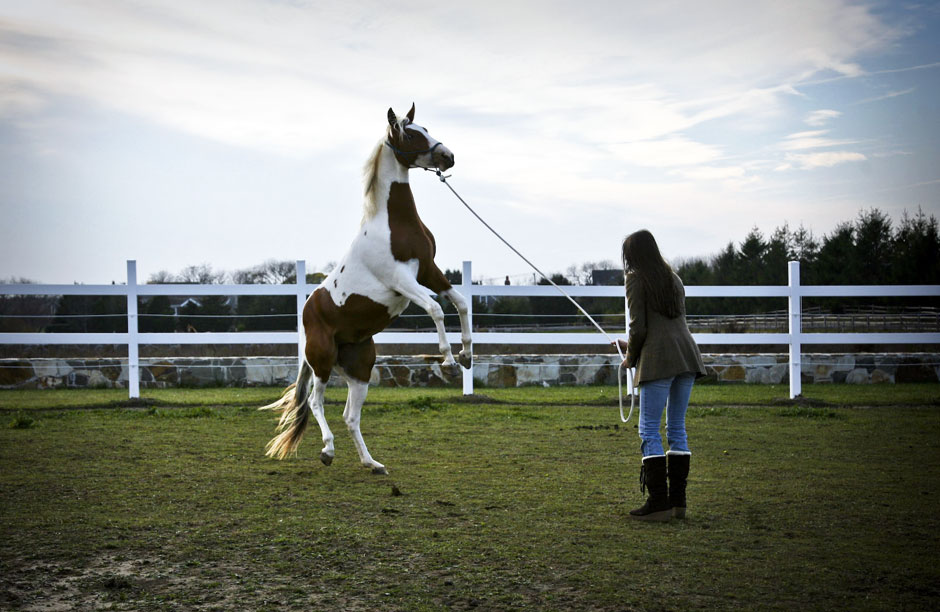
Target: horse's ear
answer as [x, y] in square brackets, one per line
[411, 113]
[392, 117]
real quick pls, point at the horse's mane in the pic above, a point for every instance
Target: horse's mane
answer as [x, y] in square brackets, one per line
[370, 174]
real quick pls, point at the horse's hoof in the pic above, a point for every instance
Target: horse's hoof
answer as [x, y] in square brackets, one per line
[451, 369]
[466, 360]
[326, 459]
[380, 471]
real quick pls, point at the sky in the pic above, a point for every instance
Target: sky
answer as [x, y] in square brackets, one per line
[233, 132]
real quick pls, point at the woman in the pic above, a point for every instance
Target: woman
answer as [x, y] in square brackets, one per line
[667, 361]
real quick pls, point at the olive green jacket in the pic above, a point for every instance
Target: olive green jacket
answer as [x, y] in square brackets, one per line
[658, 347]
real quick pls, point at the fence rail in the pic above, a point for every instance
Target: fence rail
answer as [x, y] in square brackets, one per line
[794, 337]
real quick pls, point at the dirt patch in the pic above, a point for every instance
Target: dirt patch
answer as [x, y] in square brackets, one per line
[117, 583]
[801, 401]
[476, 398]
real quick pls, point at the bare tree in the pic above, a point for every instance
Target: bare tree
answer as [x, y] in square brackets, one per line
[201, 275]
[583, 274]
[271, 272]
[161, 278]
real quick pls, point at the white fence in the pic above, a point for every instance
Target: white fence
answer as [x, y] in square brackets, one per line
[795, 338]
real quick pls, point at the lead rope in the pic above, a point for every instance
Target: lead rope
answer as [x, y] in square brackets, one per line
[443, 179]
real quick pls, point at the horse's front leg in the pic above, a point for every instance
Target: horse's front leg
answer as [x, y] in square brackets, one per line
[465, 357]
[411, 289]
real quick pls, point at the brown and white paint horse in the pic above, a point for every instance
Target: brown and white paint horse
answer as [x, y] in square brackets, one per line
[389, 264]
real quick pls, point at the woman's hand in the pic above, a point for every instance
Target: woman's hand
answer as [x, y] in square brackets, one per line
[622, 345]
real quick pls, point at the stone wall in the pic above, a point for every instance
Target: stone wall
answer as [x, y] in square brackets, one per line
[489, 370]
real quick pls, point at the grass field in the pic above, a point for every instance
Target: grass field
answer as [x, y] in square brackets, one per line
[516, 499]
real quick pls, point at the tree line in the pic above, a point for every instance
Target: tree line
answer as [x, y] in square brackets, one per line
[868, 250]
[160, 313]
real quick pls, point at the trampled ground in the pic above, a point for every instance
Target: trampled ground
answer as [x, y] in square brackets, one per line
[514, 500]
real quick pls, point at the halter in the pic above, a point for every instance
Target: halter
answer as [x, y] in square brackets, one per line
[415, 154]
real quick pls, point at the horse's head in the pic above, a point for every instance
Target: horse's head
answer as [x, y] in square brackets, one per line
[412, 144]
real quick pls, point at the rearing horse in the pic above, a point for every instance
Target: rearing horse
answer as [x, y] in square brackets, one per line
[389, 264]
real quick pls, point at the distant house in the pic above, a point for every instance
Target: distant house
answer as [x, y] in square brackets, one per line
[178, 304]
[606, 277]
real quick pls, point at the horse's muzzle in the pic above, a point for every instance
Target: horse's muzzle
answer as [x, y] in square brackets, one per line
[443, 158]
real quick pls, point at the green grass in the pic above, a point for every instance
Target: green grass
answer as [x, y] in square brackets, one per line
[518, 502]
[702, 395]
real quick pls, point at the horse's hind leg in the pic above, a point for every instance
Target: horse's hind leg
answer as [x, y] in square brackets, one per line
[357, 360]
[320, 352]
[352, 414]
[316, 406]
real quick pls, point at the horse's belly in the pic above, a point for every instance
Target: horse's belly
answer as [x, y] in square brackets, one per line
[357, 300]
[356, 319]
[397, 305]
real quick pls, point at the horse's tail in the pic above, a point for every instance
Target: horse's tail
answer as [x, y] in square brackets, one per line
[294, 416]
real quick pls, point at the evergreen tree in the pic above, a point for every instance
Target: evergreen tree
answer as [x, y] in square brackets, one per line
[91, 314]
[874, 244]
[832, 266]
[802, 246]
[694, 272]
[556, 305]
[748, 260]
[723, 266]
[156, 305]
[915, 258]
[773, 268]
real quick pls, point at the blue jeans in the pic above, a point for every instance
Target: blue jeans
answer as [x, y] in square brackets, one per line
[673, 395]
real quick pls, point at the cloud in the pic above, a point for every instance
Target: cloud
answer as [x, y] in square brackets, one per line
[711, 173]
[16, 100]
[820, 117]
[893, 153]
[666, 152]
[669, 113]
[827, 159]
[887, 96]
[811, 140]
[269, 75]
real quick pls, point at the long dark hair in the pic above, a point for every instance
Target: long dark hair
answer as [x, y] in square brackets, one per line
[641, 256]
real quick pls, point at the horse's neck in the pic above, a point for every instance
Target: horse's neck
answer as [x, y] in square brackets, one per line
[390, 188]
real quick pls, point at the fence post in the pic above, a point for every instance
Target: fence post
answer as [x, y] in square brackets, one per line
[133, 349]
[795, 328]
[466, 281]
[301, 268]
